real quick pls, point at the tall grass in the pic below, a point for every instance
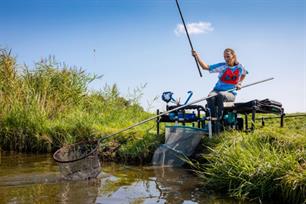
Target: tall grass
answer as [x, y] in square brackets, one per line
[268, 163]
[49, 105]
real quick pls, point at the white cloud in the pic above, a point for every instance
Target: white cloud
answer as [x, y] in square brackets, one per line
[194, 28]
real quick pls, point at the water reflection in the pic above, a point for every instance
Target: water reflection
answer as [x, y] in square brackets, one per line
[78, 192]
[121, 184]
[28, 178]
[36, 179]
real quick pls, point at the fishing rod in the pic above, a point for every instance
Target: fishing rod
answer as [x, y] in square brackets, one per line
[180, 107]
[178, 7]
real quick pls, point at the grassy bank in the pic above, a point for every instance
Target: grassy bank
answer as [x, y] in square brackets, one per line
[269, 163]
[49, 105]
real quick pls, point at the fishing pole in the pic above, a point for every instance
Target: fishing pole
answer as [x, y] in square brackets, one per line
[178, 6]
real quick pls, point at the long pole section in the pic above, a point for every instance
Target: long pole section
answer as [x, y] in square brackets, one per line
[178, 6]
[180, 107]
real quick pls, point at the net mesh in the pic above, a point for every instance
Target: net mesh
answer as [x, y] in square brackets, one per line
[180, 142]
[79, 161]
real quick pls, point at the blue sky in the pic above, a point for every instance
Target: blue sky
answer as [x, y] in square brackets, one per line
[133, 42]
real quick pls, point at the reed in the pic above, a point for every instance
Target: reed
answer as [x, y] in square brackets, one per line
[50, 105]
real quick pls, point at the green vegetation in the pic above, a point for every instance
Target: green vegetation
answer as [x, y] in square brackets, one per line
[48, 106]
[267, 163]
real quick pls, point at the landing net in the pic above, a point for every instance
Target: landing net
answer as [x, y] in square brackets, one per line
[79, 161]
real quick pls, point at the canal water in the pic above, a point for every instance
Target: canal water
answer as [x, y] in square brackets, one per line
[28, 178]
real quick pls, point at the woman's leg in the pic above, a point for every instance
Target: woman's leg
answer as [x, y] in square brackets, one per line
[211, 104]
[222, 97]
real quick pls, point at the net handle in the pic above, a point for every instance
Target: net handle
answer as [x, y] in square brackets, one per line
[149, 119]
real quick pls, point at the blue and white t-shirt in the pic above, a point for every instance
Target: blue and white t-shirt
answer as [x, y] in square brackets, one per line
[228, 76]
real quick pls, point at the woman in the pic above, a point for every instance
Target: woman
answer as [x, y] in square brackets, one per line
[231, 75]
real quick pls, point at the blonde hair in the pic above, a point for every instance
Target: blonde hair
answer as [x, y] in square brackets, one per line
[232, 52]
